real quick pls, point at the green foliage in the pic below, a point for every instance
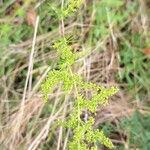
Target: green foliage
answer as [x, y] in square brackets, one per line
[134, 130]
[118, 15]
[138, 130]
[135, 65]
[125, 17]
[67, 57]
[83, 133]
[72, 7]
[5, 30]
[82, 130]
[68, 10]
[106, 12]
[10, 34]
[55, 77]
[110, 3]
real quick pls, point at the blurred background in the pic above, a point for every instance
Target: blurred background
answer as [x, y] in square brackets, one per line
[118, 36]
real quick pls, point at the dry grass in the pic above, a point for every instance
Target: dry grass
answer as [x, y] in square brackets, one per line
[26, 121]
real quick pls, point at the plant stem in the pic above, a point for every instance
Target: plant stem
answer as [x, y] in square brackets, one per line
[77, 94]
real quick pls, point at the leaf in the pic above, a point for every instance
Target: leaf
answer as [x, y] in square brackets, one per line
[112, 3]
[31, 17]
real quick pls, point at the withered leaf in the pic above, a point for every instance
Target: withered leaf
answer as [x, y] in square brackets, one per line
[146, 51]
[31, 17]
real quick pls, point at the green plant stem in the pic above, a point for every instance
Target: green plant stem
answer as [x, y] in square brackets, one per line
[76, 90]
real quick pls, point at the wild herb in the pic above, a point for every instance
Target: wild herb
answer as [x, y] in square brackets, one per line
[83, 132]
[84, 135]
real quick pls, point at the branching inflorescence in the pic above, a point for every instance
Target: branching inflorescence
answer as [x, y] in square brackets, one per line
[84, 135]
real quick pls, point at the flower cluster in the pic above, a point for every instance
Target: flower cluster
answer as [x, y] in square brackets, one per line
[72, 7]
[84, 136]
[83, 133]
